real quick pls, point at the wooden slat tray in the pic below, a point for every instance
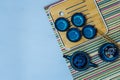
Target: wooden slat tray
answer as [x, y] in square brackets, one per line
[70, 7]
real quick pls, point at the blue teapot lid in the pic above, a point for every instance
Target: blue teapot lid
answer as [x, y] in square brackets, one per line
[74, 34]
[109, 52]
[79, 60]
[78, 19]
[89, 31]
[62, 24]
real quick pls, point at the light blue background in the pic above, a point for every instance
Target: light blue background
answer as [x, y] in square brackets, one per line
[28, 47]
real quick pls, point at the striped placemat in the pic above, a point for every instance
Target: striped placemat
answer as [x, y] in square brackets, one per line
[110, 10]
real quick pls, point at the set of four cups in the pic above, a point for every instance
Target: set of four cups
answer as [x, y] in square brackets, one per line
[74, 34]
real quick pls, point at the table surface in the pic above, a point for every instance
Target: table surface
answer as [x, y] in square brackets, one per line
[28, 47]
